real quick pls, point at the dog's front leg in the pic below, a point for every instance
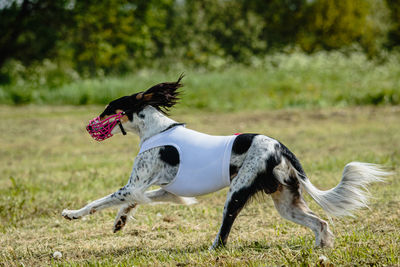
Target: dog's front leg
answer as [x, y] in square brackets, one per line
[117, 198]
[154, 196]
[122, 216]
[142, 177]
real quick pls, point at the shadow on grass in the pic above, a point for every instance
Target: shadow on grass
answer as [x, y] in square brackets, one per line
[190, 249]
[142, 251]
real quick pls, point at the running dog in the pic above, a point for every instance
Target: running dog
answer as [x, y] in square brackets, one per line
[186, 163]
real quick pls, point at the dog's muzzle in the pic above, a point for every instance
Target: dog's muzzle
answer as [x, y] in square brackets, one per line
[101, 129]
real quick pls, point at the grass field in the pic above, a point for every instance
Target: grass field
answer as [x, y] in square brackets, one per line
[48, 162]
[279, 81]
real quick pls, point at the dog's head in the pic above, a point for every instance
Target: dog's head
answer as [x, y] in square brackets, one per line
[126, 111]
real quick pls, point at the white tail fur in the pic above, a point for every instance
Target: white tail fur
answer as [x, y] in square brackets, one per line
[351, 193]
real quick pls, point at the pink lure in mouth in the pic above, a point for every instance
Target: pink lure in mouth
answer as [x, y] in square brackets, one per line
[101, 129]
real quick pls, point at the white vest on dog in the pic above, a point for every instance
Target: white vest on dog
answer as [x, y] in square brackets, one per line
[204, 160]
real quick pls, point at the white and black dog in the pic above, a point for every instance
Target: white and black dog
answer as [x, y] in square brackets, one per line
[257, 163]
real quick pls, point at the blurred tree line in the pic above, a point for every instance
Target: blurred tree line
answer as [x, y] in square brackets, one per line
[100, 37]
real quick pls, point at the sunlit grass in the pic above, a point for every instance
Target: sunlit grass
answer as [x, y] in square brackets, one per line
[48, 162]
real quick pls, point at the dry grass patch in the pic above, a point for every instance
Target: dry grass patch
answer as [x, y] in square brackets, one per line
[48, 162]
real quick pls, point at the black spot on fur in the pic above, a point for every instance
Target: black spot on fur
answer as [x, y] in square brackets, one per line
[233, 170]
[293, 186]
[169, 155]
[242, 143]
[266, 180]
[292, 158]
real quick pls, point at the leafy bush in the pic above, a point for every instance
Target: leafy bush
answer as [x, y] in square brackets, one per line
[394, 31]
[133, 35]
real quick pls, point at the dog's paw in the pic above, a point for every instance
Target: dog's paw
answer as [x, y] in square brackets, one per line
[120, 223]
[70, 214]
[213, 247]
[217, 244]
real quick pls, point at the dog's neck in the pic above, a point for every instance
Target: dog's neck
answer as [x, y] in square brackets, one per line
[153, 122]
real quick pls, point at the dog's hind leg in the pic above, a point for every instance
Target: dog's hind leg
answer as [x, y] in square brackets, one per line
[155, 196]
[291, 205]
[242, 188]
[235, 201]
[254, 175]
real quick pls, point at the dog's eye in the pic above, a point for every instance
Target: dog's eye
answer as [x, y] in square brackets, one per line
[140, 115]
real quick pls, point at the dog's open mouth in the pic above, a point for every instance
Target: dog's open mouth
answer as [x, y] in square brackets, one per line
[101, 129]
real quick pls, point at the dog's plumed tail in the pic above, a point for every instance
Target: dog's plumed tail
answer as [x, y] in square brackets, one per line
[351, 193]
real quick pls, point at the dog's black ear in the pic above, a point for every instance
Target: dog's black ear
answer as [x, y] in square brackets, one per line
[161, 96]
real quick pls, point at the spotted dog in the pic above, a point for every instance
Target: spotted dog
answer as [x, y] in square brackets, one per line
[251, 164]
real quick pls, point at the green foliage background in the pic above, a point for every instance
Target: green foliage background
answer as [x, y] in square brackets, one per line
[88, 52]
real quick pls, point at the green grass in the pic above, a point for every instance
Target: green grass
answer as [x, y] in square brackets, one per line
[48, 162]
[278, 81]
